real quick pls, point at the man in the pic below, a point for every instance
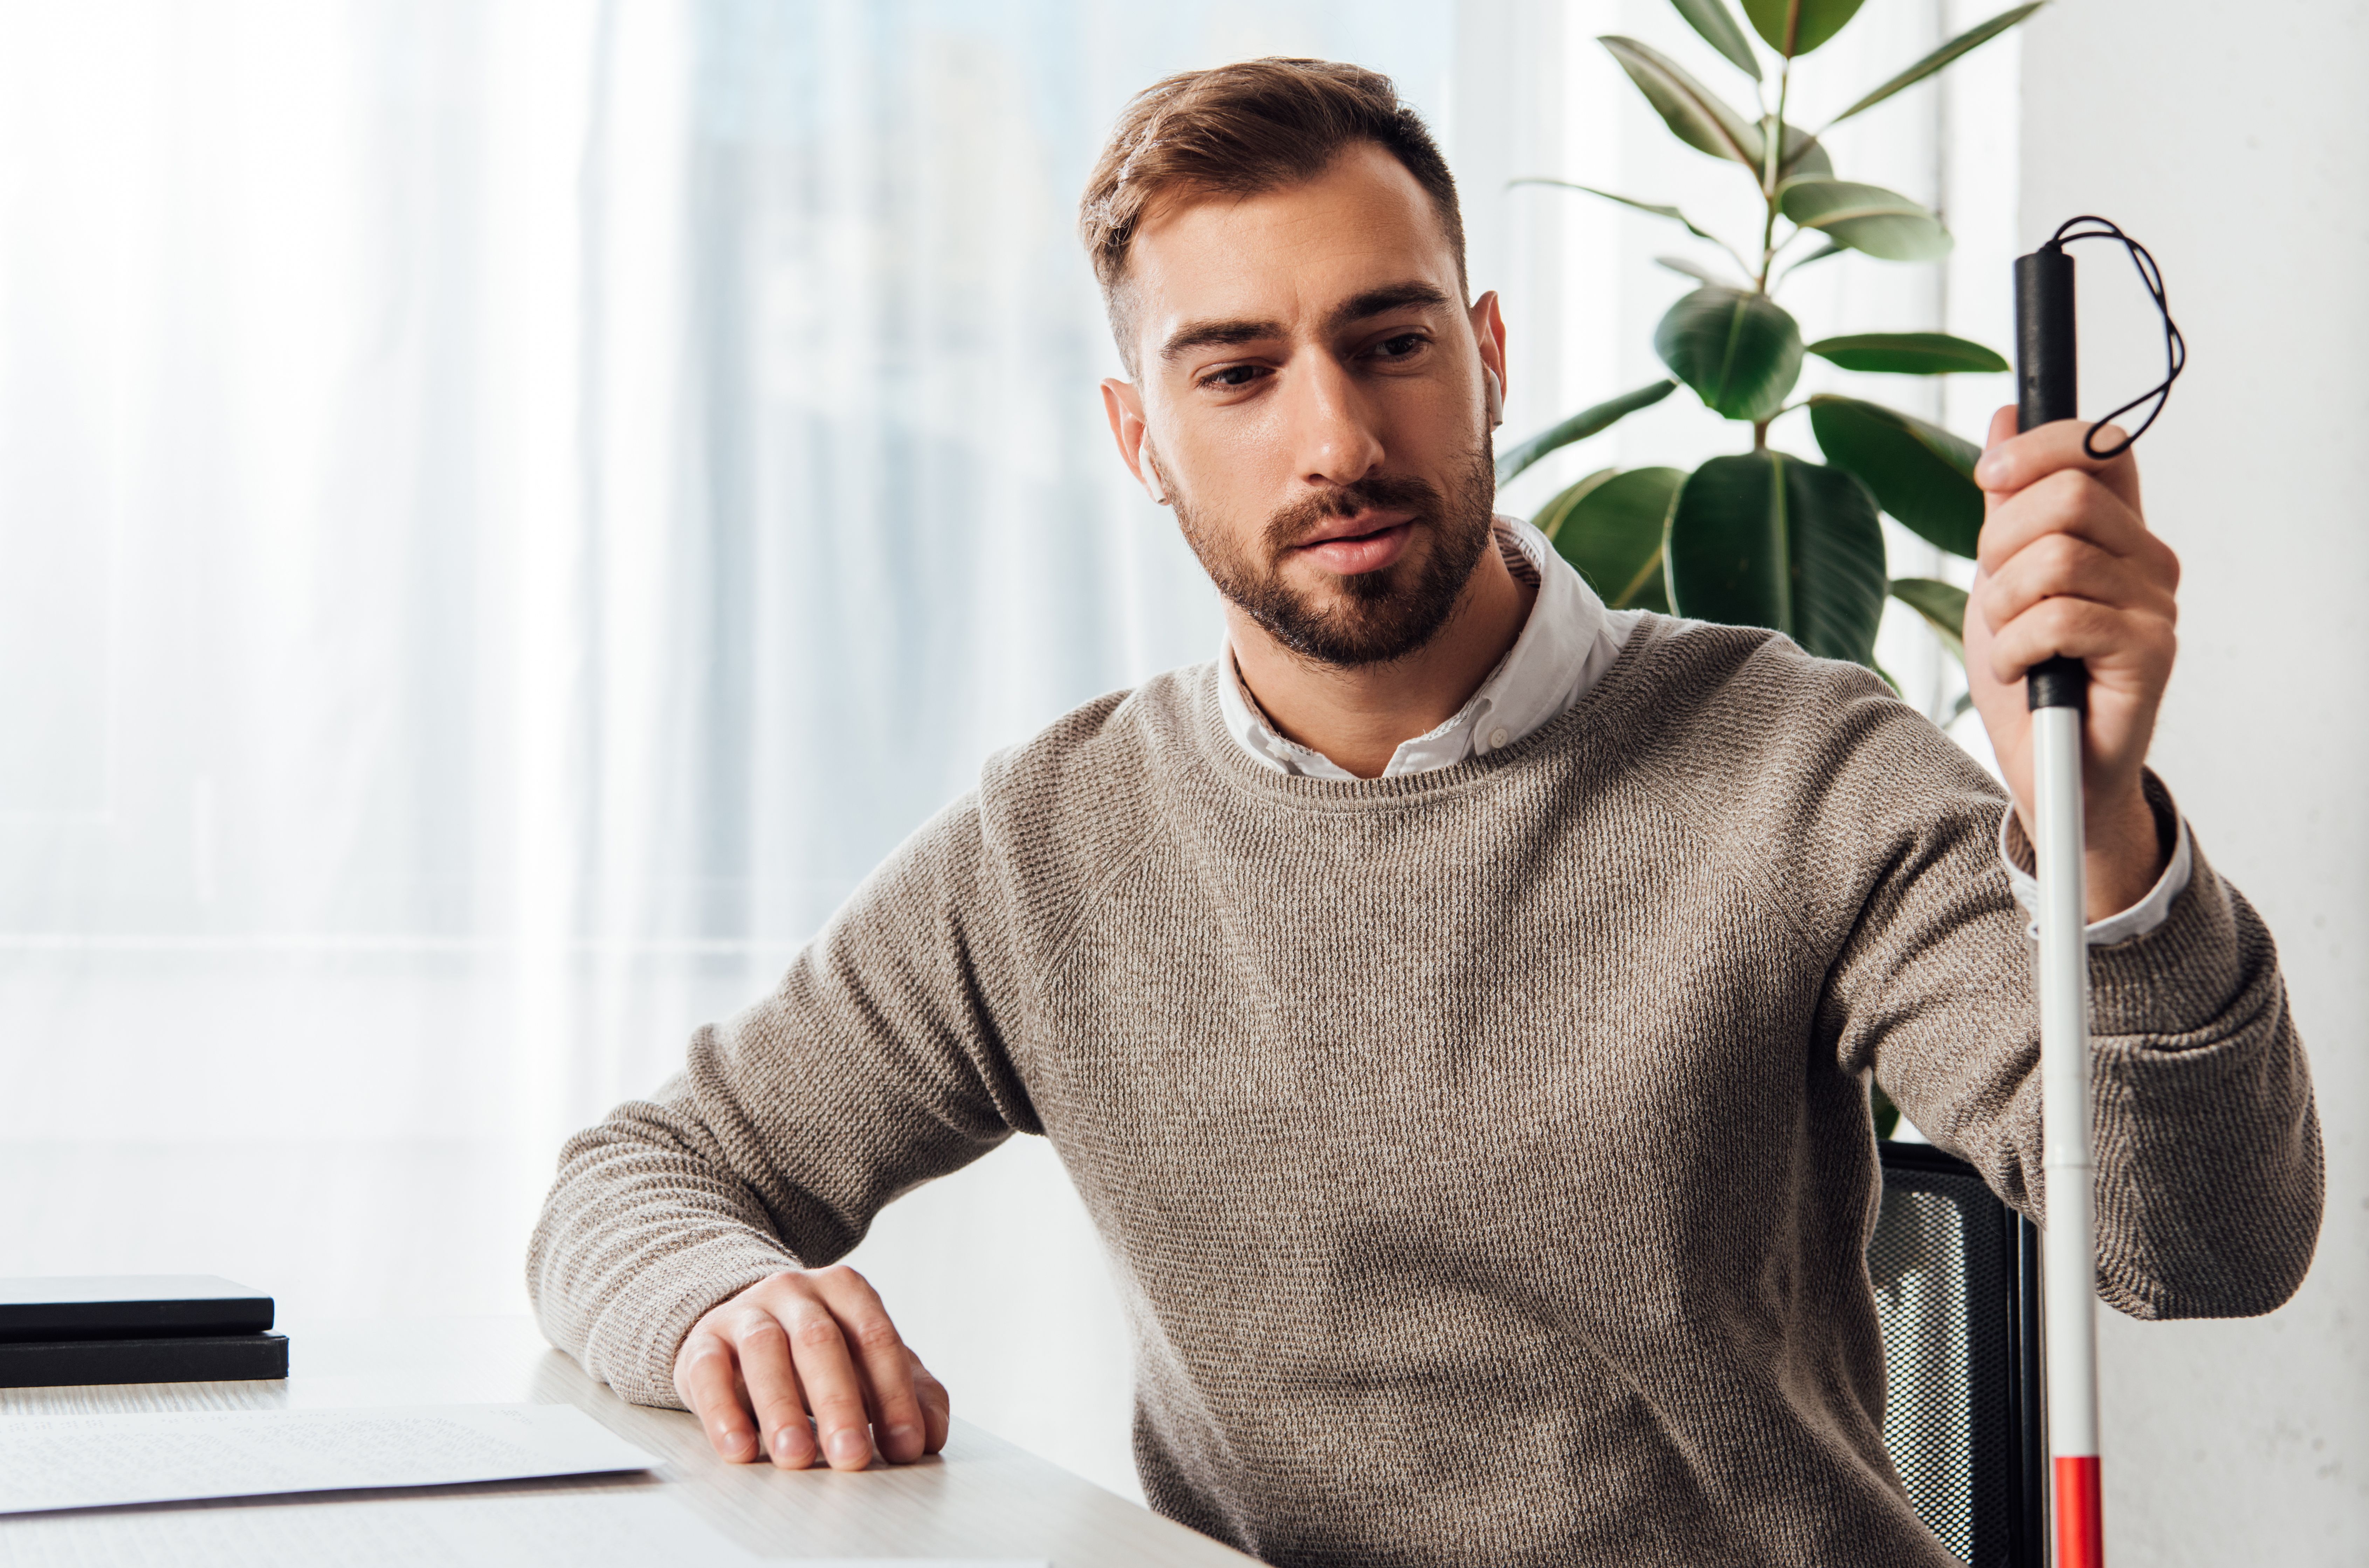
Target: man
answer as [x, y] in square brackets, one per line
[1456, 1004]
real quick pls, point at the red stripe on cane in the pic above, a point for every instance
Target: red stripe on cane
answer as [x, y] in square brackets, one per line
[2080, 1532]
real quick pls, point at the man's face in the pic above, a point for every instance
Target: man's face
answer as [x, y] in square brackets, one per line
[1310, 384]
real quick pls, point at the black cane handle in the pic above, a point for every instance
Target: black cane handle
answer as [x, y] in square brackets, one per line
[2047, 383]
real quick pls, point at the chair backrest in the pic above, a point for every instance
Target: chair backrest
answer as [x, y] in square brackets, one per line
[1956, 1277]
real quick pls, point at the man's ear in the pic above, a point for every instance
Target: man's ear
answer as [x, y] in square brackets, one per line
[1124, 404]
[1489, 335]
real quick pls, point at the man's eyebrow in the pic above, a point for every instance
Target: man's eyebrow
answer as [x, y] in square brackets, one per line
[1358, 307]
[1207, 334]
[1382, 301]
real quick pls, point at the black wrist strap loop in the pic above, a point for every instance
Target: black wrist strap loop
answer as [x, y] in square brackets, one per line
[2175, 347]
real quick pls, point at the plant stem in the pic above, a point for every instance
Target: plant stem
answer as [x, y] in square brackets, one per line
[1760, 435]
[1772, 157]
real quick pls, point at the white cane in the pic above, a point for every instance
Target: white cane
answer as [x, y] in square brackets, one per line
[2056, 690]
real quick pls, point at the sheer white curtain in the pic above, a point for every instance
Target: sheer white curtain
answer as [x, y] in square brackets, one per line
[506, 511]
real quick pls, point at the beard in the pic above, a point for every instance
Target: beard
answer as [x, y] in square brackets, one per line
[1368, 617]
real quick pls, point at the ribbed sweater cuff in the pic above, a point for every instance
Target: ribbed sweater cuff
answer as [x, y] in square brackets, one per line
[632, 1343]
[2175, 982]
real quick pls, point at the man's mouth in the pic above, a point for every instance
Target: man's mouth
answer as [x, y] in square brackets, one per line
[1369, 542]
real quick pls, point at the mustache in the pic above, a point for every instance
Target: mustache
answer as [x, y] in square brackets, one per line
[1380, 492]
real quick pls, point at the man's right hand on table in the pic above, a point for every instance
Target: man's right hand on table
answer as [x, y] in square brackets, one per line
[810, 1343]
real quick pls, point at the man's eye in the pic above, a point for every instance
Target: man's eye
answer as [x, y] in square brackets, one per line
[1231, 377]
[1399, 348]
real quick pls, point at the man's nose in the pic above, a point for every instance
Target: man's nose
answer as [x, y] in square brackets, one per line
[1335, 429]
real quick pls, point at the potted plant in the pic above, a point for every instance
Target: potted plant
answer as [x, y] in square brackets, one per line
[1764, 538]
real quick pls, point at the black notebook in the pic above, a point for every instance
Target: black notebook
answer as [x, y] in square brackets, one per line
[158, 1306]
[142, 1328]
[190, 1358]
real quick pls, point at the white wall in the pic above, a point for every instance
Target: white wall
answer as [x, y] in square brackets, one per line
[2234, 142]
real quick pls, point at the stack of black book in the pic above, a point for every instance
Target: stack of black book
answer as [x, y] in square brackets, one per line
[184, 1328]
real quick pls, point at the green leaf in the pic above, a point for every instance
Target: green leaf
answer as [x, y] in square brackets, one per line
[1887, 1115]
[1828, 248]
[1610, 526]
[1943, 605]
[1694, 269]
[1796, 26]
[1654, 208]
[1694, 113]
[1769, 540]
[1549, 518]
[1578, 428]
[1972, 39]
[1740, 352]
[1907, 353]
[1866, 218]
[1805, 155]
[1716, 23]
[1922, 474]
[1703, 121]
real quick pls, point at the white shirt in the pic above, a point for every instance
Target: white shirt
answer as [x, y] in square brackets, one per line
[1567, 644]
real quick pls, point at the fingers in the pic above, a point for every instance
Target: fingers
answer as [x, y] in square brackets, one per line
[708, 1380]
[2013, 462]
[834, 1391]
[774, 1393]
[804, 1345]
[2068, 566]
[2067, 502]
[938, 1409]
[886, 1366]
[2134, 646]
[2003, 421]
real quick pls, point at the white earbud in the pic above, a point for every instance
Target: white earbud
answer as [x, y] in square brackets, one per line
[1494, 393]
[1151, 476]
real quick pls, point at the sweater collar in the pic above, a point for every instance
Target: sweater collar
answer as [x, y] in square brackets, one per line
[1611, 699]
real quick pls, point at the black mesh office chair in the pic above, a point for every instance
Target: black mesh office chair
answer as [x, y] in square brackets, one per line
[1957, 1294]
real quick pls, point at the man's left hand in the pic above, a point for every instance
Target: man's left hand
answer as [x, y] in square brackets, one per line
[2068, 567]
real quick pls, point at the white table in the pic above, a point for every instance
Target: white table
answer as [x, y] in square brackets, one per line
[981, 1498]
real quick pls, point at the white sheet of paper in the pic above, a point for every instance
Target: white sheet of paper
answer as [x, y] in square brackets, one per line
[82, 1462]
[579, 1530]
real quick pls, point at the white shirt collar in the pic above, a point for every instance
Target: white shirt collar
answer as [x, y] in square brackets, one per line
[1567, 643]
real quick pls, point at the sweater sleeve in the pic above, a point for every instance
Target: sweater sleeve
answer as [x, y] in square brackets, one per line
[873, 1067]
[2209, 1181]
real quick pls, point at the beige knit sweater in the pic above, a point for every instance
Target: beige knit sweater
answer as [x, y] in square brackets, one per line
[1485, 1153]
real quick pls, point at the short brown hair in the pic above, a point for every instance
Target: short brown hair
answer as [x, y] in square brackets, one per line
[1242, 130]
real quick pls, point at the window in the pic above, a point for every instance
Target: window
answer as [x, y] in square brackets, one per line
[506, 513]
